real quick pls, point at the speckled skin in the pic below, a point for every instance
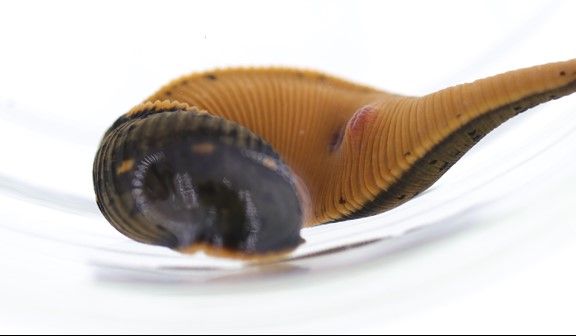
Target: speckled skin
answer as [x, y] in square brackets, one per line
[341, 150]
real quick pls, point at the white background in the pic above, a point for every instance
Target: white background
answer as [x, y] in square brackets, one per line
[502, 261]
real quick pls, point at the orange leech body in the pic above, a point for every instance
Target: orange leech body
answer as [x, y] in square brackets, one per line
[384, 135]
[237, 161]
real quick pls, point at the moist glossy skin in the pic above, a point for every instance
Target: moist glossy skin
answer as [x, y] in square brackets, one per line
[341, 150]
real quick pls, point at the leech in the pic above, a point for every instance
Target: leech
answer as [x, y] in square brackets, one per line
[235, 162]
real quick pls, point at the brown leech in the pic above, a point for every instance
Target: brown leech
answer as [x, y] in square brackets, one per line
[235, 162]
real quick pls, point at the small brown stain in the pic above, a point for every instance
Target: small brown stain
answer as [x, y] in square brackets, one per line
[205, 148]
[125, 166]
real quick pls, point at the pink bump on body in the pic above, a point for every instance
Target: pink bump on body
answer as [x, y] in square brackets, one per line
[359, 120]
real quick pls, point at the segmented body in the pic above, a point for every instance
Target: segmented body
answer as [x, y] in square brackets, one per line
[344, 150]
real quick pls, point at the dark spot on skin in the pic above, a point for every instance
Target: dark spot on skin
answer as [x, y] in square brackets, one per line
[459, 115]
[342, 200]
[184, 82]
[407, 154]
[401, 197]
[433, 162]
[519, 109]
[336, 139]
[158, 182]
[473, 134]
[443, 167]
[562, 73]
[233, 133]
[160, 228]
[211, 77]
[169, 93]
